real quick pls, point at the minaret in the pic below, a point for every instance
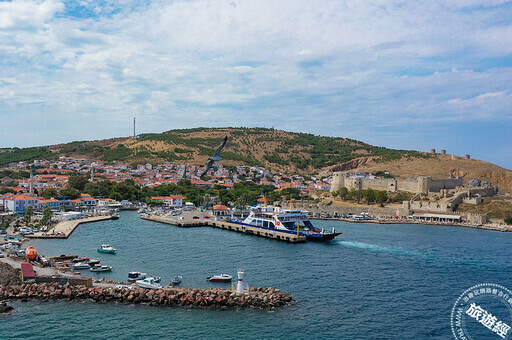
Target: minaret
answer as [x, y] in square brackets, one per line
[31, 190]
[92, 172]
[240, 284]
[134, 136]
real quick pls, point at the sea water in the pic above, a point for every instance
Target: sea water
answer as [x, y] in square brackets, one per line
[374, 281]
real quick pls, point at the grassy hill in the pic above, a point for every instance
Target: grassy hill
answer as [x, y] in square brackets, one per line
[277, 150]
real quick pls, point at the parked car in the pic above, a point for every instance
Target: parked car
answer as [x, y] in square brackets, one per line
[195, 217]
[206, 216]
[3, 232]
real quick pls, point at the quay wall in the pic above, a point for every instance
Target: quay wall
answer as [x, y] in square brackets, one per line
[258, 298]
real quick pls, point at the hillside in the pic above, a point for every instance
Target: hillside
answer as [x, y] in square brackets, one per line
[276, 150]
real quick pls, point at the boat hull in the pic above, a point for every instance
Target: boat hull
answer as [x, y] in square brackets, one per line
[106, 251]
[318, 237]
[322, 238]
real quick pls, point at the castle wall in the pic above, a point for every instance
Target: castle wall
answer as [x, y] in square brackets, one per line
[436, 185]
[421, 184]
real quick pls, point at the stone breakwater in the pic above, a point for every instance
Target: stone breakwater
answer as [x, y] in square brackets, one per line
[259, 298]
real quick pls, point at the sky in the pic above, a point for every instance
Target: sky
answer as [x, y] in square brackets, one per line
[400, 74]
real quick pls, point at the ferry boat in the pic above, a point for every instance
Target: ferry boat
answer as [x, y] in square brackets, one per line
[293, 221]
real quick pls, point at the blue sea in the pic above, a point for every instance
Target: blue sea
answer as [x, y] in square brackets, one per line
[373, 282]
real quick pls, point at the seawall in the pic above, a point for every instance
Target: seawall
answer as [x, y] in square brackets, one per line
[258, 298]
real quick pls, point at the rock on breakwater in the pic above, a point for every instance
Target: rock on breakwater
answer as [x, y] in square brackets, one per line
[259, 298]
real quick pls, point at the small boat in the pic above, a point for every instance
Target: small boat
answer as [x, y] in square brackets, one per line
[105, 248]
[115, 216]
[220, 278]
[93, 262]
[148, 283]
[81, 265]
[101, 268]
[134, 276]
[156, 278]
[177, 280]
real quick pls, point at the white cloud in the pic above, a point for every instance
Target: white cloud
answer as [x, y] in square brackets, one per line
[308, 65]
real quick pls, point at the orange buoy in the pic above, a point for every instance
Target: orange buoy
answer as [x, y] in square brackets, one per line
[31, 253]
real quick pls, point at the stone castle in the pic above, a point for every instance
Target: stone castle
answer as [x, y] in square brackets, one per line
[420, 185]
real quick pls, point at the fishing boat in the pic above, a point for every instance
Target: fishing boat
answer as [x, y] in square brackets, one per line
[99, 268]
[177, 280]
[220, 278]
[148, 283]
[105, 248]
[292, 221]
[134, 276]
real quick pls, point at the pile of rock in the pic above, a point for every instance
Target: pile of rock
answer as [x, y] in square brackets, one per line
[261, 298]
[9, 275]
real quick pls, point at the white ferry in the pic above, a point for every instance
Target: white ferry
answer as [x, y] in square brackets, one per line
[286, 220]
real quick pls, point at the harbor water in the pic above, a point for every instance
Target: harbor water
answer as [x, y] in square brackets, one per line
[373, 282]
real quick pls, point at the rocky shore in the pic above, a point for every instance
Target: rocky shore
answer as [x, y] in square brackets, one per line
[259, 298]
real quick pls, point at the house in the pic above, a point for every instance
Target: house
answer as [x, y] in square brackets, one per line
[108, 203]
[169, 201]
[220, 210]
[20, 202]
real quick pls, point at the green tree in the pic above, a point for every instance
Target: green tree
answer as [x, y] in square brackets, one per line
[77, 182]
[28, 214]
[508, 220]
[356, 194]
[49, 193]
[342, 193]
[71, 193]
[369, 195]
[381, 196]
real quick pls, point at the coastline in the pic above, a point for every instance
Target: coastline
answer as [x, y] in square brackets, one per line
[492, 227]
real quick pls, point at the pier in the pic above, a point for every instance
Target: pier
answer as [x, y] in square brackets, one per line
[273, 234]
[65, 228]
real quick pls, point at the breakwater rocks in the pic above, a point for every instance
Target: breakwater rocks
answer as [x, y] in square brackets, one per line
[259, 298]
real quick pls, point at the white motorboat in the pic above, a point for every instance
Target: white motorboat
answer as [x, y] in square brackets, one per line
[99, 268]
[220, 278]
[134, 276]
[148, 283]
[81, 265]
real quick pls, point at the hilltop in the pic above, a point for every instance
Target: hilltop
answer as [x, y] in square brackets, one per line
[277, 150]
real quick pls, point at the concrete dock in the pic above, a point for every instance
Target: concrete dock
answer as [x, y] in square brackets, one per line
[273, 234]
[65, 228]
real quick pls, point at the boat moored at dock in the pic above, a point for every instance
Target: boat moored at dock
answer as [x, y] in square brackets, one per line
[134, 276]
[99, 268]
[148, 283]
[291, 221]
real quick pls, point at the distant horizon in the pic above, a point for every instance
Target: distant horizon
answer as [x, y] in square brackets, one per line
[399, 74]
[438, 151]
